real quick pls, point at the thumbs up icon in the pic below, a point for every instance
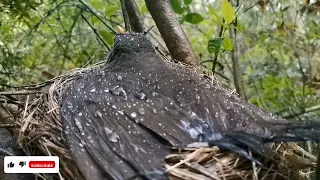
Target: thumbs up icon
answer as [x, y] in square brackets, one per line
[10, 165]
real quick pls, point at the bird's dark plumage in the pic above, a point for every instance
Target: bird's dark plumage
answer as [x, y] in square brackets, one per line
[120, 120]
[8, 147]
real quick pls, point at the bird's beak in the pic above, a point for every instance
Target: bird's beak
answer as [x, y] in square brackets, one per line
[120, 30]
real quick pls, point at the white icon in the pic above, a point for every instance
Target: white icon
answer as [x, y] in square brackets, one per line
[31, 164]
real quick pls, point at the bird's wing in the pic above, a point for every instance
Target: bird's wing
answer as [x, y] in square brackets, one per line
[242, 117]
[232, 116]
[114, 134]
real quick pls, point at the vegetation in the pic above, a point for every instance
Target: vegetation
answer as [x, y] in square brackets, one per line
[267, 50]
[276, 43]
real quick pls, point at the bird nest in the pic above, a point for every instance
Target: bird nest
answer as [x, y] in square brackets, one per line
[39, 129]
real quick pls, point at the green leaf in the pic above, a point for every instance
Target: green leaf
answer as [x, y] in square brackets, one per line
[193, 18]
[214, 45]
[98, 5]
[107, 36]
[176, 6]
[228, 44]
[95, 20]
[111, 10]
[187, 2]
[227, 11]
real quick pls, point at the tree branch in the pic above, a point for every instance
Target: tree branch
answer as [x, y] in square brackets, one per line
[125, 15]
[215, 60]
[304, 111]
[96, 15]
[236, 66]
[135, 19]
[21, 92]
[97, 33]
[171, 31]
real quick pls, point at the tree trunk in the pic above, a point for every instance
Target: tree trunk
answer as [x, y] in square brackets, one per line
[135, 19]
[236, 67]
[171, 31]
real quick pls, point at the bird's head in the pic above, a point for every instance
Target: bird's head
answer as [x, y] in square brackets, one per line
[131, 43]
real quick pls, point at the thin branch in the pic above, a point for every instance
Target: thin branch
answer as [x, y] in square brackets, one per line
[9, 101]
[96, 32]
[135, 18]
[304, 77]
[147, 31]
[6, 125]
[304, 111]
[34, 28]
[88, 62]
[21, 92]
[257, 90]
[214, 64]
[250, 7]
[96, 15]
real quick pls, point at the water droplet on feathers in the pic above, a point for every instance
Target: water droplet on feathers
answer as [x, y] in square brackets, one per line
[134, 114]
[194, 116]
[112, 136]
[119, 78]
[197, 97]
[78, 124]
[107, 130]
[99, 114]
[119, 91]
[136, 149]
[140, 96]
[90, 139]
[69, 104]
[141, 111]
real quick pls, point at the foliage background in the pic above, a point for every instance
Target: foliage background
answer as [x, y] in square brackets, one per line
[277, 43]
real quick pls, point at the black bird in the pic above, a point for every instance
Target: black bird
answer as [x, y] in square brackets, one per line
[122, 119]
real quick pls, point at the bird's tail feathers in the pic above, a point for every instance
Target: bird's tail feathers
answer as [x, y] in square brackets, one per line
[304, 131]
